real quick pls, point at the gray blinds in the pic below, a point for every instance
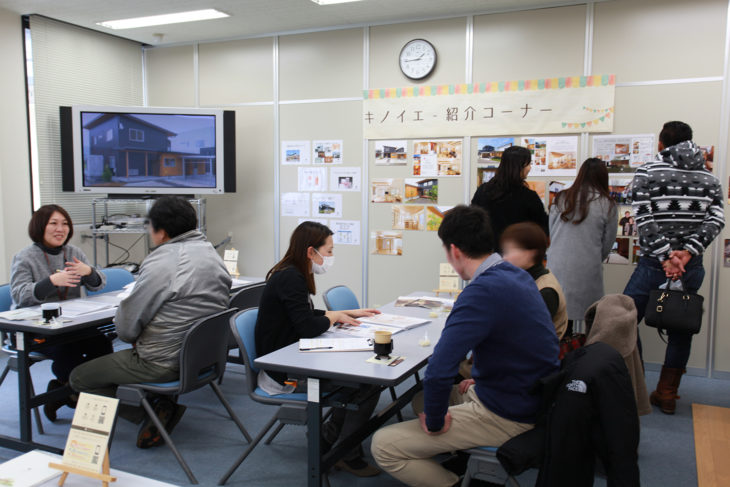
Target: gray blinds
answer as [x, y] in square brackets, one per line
[75, 66]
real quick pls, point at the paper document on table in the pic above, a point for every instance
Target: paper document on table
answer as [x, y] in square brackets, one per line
[75, 308]
[20, 315]
[335, 345]
[239, 282]
[395, 321]
[364, 330]
[428, 302]
[127, 291]
[28, 470]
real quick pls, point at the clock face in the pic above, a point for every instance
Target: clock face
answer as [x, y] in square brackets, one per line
[417, 59]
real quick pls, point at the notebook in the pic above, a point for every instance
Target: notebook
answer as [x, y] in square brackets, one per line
[394, 321]
[335, 345]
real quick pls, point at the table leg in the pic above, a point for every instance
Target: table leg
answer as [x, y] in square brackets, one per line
[26, 431]
[314, 423]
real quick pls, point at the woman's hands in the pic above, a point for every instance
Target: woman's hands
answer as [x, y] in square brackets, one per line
[79, 268]
[349, 316]
[65, 279]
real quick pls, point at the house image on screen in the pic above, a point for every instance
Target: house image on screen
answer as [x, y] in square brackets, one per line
[421, 190]
[124, 150]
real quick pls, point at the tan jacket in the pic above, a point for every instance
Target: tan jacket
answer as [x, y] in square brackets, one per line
[612, 320]
[560, 320]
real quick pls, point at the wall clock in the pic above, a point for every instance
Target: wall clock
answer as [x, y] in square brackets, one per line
[417, 59]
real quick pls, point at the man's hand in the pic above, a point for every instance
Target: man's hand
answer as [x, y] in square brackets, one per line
[464, 385]
[447, 424]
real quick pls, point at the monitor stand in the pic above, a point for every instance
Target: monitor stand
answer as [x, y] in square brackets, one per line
[130, 196]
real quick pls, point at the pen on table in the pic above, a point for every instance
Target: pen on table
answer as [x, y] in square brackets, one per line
[315, 348]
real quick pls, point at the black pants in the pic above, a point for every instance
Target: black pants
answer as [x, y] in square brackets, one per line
[68, 356]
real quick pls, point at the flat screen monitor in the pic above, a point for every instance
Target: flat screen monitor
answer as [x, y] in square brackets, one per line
[141, 150]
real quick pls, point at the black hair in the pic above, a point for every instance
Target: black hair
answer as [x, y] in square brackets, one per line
[509, 173]
[173, 214]
[674, 133]
[39, 222]
[307, 234]
[469, 229]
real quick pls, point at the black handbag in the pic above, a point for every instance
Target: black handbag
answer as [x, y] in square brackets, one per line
[673, 310]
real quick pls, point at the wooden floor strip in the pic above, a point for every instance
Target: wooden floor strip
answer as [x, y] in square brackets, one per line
[712, 445]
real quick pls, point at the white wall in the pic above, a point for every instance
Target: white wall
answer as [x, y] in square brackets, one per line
[14, 163]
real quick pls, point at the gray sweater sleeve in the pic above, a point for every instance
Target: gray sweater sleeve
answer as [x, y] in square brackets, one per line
[22, 286]
[151, 290]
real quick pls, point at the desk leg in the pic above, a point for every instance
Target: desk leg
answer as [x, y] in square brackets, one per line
[26, 430]
[314, 423]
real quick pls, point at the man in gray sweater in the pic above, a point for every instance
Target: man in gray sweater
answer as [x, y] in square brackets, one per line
[180, 282]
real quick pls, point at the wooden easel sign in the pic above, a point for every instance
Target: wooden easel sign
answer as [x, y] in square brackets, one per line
[87, 446]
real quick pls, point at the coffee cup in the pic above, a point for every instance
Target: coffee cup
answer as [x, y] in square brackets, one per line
[383, 344]
[50, 311]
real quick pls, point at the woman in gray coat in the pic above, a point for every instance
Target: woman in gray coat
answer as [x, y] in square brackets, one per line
[583, 225]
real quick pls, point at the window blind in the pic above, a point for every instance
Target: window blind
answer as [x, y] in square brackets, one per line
[75, 66]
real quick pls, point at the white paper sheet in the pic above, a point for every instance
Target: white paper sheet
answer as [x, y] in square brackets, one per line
[395, 321]
[327, 152]
[345, 179]
[295, 204]
[335, 345]
[295, 152]
[347, 232]
[312, 178]
[79, 307]
[326, 205]
[624, 153]
[28, 470]
[553, 156]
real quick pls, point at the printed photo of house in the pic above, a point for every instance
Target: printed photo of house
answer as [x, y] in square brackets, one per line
[386, 191]
[490, 149]
[434, 217]
[422, 190]
[391, 152]
[122, 149]
[409, 217]
[386, 243]
[562, 160]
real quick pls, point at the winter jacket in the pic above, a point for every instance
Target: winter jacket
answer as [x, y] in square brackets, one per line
[612, 321]
[593, 415]
[180, 282]
[678, 203]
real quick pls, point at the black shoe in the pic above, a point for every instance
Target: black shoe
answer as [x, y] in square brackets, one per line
[358, 467]
[49, 409]
[177, 415]
[149, 436]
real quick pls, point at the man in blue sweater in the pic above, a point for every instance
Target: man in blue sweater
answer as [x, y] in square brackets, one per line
[502, 319]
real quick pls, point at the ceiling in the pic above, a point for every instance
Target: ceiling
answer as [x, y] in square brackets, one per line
[255, 17]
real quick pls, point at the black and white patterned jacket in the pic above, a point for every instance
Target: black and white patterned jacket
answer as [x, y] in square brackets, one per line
[678, 203]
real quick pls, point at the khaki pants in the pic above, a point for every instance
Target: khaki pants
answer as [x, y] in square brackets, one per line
[405, 451]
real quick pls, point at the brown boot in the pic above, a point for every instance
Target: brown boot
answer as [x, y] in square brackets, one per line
[665, 396]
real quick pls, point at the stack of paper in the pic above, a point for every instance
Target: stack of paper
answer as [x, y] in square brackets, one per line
[78, 307]
[394, 321]
[28, 470]
[21, 314]
[382, 322]
[428, 302]
[335, 345]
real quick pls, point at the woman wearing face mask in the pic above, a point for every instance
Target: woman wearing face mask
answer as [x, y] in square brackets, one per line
[286, 314]
[49, 270]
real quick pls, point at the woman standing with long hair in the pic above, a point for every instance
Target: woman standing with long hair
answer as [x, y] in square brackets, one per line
[507, 198]
[583, 226]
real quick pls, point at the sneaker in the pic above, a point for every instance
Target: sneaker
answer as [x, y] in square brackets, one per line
[149, 436]
[358, 467]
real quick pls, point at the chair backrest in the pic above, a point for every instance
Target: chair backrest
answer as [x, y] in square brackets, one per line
[6, 300]
[248, 297]
[340, 298]
[116, 279]
[204, 351]
[243, 327]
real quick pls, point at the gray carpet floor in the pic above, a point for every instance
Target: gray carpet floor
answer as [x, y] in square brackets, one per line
[210, 441]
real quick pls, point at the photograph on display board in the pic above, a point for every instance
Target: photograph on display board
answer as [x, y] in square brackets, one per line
[422, 191]
[624, 153]
[726, 253]
[555, 187]
[409, 217]
[620, 190]
[490, 149]
[619, 252]
[626, 222]
[345, 179]
[434, 217]
[327, 152]
[709, 152]
[553, 156]
[635, 252]
[391, 152]
[326, 205]
[295, 152]
[437, 157]
[386, 243]
[386, 190]
[538, 149]
[484, 174]
[538, 187]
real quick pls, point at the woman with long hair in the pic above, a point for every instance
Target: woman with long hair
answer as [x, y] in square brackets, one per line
[583, 226]
[286, 314]
[51, 269]
[507, 198]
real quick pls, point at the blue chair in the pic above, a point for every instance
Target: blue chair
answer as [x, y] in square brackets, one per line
[247, 297]
[116, 279]
[6, 302]
[202, 362]
[484, 465]
[341, 298]
[292, 407]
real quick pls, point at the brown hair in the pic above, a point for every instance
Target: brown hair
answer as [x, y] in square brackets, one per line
[592, 178]
[39, 222]
[307, 234]
[527, 236]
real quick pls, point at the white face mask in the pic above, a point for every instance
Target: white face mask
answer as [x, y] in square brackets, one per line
[327, 263]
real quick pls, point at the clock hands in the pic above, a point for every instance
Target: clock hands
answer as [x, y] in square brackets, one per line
[413, 59]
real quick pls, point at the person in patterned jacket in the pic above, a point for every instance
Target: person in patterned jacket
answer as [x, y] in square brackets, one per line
[679, 211]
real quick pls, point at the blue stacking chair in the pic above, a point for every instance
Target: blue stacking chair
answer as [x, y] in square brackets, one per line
[340, 298]
[247, 297]
[292, 408]
[484, 465]
[6, 302]
[202, 362]
[116, 279]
